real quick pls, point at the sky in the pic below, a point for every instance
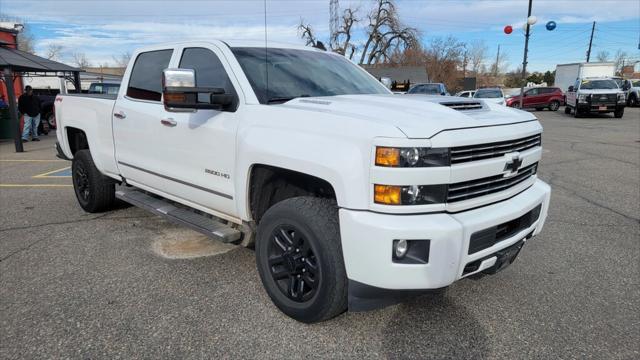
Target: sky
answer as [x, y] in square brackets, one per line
[104, 29]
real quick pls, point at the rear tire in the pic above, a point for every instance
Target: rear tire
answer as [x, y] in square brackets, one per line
[94, 191]
[299, 258]
[618, 113]
[633, 101]
[554, 105]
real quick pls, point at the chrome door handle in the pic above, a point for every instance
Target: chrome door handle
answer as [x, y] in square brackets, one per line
[120, 115]
[169, 122]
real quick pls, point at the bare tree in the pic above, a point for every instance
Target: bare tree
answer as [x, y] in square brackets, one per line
[306, 33]
[444, 55]
[602, 56]
[477, 54]
[619, 59]
[54, 52]
[386, 34]
[342, 37]
[80, 60]
[122, 60]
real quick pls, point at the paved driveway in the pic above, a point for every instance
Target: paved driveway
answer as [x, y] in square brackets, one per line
[74, 285]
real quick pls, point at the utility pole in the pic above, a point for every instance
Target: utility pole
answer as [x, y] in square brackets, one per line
[334, 7]
[526, 49]
[593, 28]
[495, 70]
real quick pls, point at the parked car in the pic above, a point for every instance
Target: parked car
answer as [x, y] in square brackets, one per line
[104, 88]
[350, 194]
[466, 93]
[539, 98]
[429, 89]
[631, 87]
[595, 95]
[494, 95]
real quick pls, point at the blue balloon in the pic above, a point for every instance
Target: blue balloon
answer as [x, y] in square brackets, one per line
[551, 25]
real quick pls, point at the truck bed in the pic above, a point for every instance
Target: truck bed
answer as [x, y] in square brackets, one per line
[92, 114]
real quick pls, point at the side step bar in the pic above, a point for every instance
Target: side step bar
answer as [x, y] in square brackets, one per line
[197, 222]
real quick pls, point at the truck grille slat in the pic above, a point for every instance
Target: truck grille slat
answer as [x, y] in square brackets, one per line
[468, 153]
[485, 186]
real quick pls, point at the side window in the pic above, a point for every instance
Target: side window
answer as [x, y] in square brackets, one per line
[532, 92]
[145, 82]
[209, 70]
[464, 94]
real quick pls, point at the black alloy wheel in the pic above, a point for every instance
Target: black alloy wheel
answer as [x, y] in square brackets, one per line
[293, 264]
[554, 105]
[81, 182]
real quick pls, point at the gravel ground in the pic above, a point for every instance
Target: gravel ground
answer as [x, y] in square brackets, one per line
[76, 285]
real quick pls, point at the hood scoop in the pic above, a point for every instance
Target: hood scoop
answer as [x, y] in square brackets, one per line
[463, 105]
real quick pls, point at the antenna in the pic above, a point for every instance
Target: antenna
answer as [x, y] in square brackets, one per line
[266, 53]
[333, 22]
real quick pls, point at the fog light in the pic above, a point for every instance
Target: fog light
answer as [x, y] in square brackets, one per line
[400, 248]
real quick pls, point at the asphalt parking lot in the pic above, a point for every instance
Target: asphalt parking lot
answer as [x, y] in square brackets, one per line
[77, 285]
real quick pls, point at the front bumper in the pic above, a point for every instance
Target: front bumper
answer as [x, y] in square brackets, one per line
[367, 240]
[600, 108]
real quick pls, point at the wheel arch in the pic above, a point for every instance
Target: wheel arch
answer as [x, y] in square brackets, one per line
[268, 185]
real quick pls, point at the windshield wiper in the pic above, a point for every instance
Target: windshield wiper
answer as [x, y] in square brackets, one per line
[280, 100]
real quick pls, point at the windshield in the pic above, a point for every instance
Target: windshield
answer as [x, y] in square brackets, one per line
[488, 94]
[598, 84]
[425, 89]
[300, 73]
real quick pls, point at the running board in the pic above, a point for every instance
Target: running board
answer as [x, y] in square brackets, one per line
[197, 222]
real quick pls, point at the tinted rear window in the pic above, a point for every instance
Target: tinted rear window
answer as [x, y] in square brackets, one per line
[146, 76]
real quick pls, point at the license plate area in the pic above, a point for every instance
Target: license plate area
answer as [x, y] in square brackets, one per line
[505, 257]
[602, 107]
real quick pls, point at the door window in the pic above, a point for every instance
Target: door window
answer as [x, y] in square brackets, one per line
[145, 82]
[209, 71]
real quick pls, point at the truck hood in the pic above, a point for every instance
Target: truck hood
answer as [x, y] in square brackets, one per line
[600, 91]
[417, 116]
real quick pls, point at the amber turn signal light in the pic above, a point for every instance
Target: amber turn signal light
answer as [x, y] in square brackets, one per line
[386, 156]
[388, 195]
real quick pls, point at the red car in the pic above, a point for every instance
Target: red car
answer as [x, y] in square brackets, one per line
[539, 98]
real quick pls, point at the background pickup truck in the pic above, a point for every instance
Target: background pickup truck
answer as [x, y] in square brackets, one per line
[598, 95]
[351, 195]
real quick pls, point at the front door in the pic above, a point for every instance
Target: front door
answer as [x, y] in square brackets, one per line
[202, 143]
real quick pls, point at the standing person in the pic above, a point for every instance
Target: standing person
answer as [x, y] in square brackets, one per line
[29, 107]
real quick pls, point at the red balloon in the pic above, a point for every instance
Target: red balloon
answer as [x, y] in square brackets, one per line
[508, 29]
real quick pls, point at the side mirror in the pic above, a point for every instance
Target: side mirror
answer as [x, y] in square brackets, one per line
[179, 92]
[571, 88]
[626, 86]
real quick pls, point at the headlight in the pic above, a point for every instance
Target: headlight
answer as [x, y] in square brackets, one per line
[410, 195]
[621, 98]
[582, 98]
[412, 157]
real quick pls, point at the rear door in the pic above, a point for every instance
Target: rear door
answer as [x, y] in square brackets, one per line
[140, 150]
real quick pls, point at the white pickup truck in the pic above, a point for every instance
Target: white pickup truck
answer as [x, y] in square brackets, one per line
[353, 196]
[599, 95]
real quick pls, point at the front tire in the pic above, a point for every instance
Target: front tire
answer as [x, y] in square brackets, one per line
[554, 105]
[633, 101]
[567, 109]
[94, 191]
[618, 113]
[299, 258]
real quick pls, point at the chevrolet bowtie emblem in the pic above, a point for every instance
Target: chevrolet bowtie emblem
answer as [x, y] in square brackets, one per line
[513, 165]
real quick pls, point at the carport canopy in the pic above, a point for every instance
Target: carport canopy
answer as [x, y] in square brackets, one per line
[14, 61]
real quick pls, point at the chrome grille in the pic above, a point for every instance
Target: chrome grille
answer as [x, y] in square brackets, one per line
[462, 154]
[463, 105]
[479, 187]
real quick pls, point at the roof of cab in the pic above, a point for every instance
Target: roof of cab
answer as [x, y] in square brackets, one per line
[231, 43]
